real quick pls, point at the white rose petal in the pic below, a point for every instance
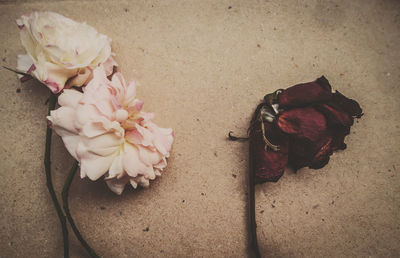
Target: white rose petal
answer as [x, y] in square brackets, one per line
[61, 49]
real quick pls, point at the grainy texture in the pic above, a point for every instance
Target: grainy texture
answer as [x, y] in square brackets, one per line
[202, 67]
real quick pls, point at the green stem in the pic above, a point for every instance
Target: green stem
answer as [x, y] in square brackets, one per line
[17, 72]
[65, 191]
[49, 182]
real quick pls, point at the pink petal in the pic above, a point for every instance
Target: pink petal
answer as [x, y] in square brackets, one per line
[132, 163]
[103, 145]
[148, 156]
[109, 65]
[92, 165]
[117, 185]
[53, 86]
[63, 121]
[139, 105]
[134, 137]
[69, 98]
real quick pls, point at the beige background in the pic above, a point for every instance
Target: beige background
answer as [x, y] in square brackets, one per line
[202, 68]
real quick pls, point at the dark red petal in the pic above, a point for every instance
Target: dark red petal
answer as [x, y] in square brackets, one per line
[306, 153]
[306, 123]
[321, 158]
[313, 136]
[306, 93]
[338, 135]
[350, 106]
[311, 141]
[335, 116]
[268, 165]
[300, 153]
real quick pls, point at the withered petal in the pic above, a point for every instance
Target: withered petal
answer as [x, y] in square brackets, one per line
[335, 116]
[305, 123]
[350, 106]
[306, 153]
[306, 93]
[321, 158]
[311, 140]
[268, 165]
[338, 135]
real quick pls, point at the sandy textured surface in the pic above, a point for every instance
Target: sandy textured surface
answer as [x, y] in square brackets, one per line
[202, 68]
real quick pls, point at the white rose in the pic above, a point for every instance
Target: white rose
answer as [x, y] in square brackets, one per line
[61, 51]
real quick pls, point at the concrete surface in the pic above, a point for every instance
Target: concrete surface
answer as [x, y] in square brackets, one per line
[203, 66]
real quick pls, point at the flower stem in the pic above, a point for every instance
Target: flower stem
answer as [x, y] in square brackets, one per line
[65, 191]
[255, 252]
[231, 137]
[49, 182]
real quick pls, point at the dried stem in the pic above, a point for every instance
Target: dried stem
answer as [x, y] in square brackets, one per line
[49, 183]
[231, 137]
[255, 252]
[65, 192]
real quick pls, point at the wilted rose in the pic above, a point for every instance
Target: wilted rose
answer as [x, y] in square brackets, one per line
[61, 51]
[310, 123]
[105, 129]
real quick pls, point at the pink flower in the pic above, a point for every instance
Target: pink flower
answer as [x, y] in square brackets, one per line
[106, 131]
[61, 52]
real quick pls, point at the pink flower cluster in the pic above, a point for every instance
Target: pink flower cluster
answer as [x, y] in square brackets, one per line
[105, 129]
[102, 124]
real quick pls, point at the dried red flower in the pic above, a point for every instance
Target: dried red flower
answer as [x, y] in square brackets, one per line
[300, 126]
[309, 123]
